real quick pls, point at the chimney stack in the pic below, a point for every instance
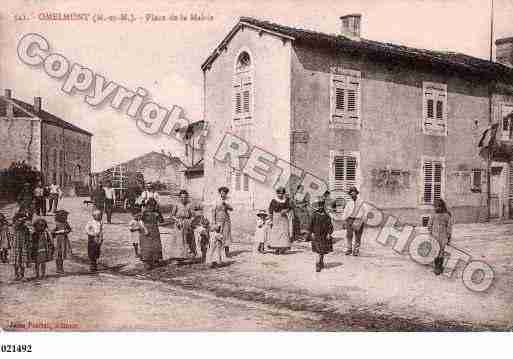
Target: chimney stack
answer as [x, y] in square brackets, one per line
[37, 104]
[8, 93]
[351, 26]
[504, 53]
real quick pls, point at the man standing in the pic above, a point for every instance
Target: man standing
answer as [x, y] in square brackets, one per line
[148, 193]
[40, 200]
[25, 200]
[98, 199]
[55, 195]
[110, 199]
[353, 216]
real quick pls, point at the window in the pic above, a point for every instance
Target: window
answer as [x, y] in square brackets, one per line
[476, 180]
[343, 171]
[345, 100]
[434, 109]
[239, 182]
[243, 90]
[55, 158]
[506, 121]
[433, 181]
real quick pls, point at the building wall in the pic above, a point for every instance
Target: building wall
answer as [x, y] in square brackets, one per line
[270, 58]
[20, 140]
[66, 156]
[156, 167]
[391, 134]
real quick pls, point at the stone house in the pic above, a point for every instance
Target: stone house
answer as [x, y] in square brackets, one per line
[402, 124]
[57, 148]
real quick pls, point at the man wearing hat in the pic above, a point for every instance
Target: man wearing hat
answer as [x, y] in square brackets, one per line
[352, 216]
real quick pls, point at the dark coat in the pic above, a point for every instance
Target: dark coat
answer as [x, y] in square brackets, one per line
[321, 229]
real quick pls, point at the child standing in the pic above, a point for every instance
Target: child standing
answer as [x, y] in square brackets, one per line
[135, 226]
[20, 251]
[94, 230]
[5, 239]
[42, 247]
[217, 246]
[60, 234]
[261, 231]
[200, 226]
[320, 230]
[440, 227]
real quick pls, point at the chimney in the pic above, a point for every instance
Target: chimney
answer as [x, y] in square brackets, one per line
[37, 104]
[504, 54]
[10, 108]
[350, 26]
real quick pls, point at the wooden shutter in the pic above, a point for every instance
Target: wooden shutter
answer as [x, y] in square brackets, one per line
[428, 182]
[344, 173]
[437, 180]
[338, 100]
[353, 100]
[246, 95]
[237, 98]
[245, 186]
[435, 107]
[237, 180]
[440, 113]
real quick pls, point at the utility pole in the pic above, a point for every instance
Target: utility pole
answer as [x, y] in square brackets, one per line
[490, 120]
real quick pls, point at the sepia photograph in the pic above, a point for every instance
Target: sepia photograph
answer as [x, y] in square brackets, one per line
[255, 166]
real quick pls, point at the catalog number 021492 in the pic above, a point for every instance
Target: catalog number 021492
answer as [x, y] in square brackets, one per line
[16, 348]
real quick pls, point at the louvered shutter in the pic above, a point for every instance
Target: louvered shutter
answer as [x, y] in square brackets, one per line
[440, 113]
[350, 171]
[237, 180]
[353, 101]
[237, 98]
[429, 108]
[246, 95]
[245, 186]
[338, 176]
[428, 182]
[338, 101]
[437, 180]
[344, 173]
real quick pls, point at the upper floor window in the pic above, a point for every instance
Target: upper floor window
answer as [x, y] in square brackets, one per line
[506, 121]
[243, 90]
[434, 104]
[345, 100]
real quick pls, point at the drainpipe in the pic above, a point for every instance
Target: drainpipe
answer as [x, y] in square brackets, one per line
[490, 120]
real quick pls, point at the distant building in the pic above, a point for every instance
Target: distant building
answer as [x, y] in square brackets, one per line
[59, 149]
[155, 167]
[402, 124]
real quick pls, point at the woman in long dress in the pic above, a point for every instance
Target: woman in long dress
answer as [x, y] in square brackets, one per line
[182, 243]
[221, 217]
[279, 233]
[151, 245]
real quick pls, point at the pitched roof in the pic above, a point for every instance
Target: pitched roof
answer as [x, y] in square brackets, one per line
[440, 59]
[46, 117]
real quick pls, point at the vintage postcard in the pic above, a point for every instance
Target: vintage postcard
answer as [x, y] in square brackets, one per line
[326, 166]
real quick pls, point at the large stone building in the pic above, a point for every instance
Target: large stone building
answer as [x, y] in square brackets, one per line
[402, 124]
[59, 149]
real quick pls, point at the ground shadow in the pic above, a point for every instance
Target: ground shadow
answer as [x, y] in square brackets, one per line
[238, 252]
[330, 265]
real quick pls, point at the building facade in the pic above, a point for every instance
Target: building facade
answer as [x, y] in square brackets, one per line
[401, 124]
[59, 149]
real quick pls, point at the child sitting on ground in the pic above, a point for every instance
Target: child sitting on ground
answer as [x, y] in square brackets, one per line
[261, 231]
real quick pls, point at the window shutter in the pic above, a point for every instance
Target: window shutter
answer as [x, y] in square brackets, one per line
[338, 101]
[338, 173]
[353, 101]
[237, 181]
[441, 109]
[350, 171]
[437, 181]
[246, 102]
[428, 182]
[429, 107]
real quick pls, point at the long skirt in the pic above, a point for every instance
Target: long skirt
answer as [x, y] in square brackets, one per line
[6, 238]
[42, 251]
[226, 230]
[20, 252]
[178, 244]
[323, 245]
[279, 233]
[62, 248]
[150, 247]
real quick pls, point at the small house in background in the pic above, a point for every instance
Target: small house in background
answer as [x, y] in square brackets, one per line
[58, 149]
[193, 137]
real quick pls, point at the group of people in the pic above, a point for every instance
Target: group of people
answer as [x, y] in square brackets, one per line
[34, 199]
[25, 242]
[276, 227]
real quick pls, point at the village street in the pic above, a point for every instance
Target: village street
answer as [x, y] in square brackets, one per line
[380, 290]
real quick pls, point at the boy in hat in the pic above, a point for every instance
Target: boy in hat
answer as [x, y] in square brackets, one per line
[60, 233]
[320, 230]
[353, 216]
[94, 230]
[261, 231]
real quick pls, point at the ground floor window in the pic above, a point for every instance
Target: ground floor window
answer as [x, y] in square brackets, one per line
[433, 179]
[344, 171]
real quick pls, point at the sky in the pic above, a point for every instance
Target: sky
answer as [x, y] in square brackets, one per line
[164, 57]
